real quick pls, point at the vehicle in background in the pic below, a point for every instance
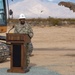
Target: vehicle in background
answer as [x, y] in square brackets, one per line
[4, 49]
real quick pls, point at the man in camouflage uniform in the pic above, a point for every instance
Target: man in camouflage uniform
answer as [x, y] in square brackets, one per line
[24, 28]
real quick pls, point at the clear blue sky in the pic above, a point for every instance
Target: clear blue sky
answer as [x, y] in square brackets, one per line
[55, 1]
[61, 0]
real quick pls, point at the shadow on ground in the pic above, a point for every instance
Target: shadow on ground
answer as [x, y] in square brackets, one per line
[51, 49]
[71, 55]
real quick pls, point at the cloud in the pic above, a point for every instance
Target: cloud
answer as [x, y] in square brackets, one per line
[40, 8]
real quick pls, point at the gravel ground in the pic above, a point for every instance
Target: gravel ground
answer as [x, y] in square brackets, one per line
[54, 49]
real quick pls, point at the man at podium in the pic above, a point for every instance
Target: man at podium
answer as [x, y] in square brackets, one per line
[24, 28]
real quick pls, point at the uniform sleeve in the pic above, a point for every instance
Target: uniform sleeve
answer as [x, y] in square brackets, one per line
[30, 32]
[15, 30]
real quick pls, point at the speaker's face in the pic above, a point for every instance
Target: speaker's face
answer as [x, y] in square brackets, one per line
[22, 21]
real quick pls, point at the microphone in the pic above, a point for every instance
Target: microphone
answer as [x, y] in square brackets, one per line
[11, 29]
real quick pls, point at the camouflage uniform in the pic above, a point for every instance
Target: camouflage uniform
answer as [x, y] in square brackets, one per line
[25, 29]
[4, 52]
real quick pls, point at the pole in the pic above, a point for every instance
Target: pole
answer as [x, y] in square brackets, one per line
[8, 8]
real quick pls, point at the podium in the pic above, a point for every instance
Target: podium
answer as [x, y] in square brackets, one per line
[18, 62]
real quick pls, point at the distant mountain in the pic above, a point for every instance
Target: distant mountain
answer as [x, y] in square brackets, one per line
[40, 8]
[69, 5]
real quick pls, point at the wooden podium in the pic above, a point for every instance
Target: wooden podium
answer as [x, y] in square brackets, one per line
[18, 62]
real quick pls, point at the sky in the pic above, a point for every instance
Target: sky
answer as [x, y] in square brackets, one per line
[41, 8]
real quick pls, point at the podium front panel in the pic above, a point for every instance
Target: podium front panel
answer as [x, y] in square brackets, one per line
[16, 55]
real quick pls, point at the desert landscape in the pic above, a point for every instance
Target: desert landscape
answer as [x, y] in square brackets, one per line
[54, 49]
[53, 24]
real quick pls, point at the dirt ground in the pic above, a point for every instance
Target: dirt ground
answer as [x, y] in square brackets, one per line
[54, 48]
